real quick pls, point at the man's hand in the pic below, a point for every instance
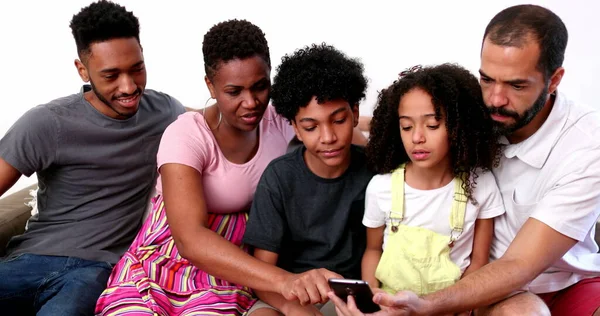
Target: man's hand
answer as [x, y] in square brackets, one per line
[402, 303]
[310, 287]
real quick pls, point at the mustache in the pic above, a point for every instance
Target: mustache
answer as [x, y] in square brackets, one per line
[504, 112]
[125, 95]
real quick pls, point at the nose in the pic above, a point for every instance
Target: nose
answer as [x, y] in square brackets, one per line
[328, 135]
[127, 85]
[418, 136]
[250, 100]
[497, 96]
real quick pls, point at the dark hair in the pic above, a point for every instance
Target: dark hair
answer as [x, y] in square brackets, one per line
[319, 71]
[454, 92]
[102, 21]
[514, 26]
[233, 39]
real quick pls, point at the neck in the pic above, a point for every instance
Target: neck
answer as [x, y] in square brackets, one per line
[316, 166]
[428, 178]
[533, 126]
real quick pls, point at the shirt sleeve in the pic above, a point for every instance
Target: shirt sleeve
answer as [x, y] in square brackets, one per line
[184, 143]
[571, 205]
[266, 223]
[490, 200]
[176, 106]
[374, 216]
[31, 144]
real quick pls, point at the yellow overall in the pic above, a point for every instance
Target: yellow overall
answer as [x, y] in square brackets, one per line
[415, 258]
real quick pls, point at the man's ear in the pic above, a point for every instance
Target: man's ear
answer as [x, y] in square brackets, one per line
[210, 86]
[82, 70]
[296, 130]
[556, 79]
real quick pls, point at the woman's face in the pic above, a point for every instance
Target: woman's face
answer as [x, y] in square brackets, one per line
[241, 88]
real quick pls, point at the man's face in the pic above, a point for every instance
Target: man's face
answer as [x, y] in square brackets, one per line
[116, 71]
[514, 90]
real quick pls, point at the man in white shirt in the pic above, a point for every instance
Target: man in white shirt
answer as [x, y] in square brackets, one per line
[545, 259]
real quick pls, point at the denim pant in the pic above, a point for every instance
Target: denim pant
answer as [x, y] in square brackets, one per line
[49, 285]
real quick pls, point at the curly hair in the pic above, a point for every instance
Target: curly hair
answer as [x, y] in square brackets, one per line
[102, 21]
[319, 71]
[233, 39]
[454, 92]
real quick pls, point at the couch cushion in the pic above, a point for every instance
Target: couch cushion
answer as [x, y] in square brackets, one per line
[13, 215]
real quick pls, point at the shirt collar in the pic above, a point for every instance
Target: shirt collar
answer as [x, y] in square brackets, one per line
[535, 150]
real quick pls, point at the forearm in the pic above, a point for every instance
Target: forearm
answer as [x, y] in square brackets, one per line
[217, 256]
[369, 264]
[483, 287]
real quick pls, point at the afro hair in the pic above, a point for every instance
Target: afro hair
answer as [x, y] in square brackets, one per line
[233, 39]
[319, 71]
[102, 21]
[456, 96]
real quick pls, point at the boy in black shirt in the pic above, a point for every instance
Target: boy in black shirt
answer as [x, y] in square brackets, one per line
[309, 204]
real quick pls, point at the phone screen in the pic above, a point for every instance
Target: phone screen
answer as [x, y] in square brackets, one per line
[359, 289]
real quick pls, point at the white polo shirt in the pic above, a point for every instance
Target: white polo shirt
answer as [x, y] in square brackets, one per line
[554, 177]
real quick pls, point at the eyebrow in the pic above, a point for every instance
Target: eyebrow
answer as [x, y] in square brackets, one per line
[139, 63]
[310, 119]
[514, 81]
[410, 117]
[264, 79]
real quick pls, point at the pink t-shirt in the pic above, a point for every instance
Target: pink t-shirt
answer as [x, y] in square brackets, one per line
[228, 187]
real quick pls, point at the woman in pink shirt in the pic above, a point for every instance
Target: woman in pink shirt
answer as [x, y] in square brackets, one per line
[188, 256]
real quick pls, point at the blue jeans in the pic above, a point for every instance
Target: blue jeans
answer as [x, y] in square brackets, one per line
[49, 285]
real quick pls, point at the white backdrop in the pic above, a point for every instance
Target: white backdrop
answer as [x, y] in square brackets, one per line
[37, 48]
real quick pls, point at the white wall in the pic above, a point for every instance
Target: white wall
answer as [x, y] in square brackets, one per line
[37, 49]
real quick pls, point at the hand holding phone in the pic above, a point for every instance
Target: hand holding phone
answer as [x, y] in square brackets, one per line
[359, 289]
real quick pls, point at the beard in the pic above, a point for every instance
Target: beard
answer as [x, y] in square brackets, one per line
[105, 101]
[521, 120]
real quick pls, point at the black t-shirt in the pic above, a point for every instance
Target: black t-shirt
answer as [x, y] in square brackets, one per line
[311, 222]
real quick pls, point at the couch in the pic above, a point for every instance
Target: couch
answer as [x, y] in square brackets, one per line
[14, 213]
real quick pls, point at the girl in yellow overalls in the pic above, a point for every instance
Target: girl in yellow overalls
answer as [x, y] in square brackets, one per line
[429, 211]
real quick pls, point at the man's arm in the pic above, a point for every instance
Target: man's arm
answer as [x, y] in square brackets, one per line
[8, 176]
[521, 263]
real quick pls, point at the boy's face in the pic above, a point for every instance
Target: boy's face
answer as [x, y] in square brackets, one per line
[326, 131]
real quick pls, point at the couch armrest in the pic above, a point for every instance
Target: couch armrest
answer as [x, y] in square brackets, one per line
[13, 215]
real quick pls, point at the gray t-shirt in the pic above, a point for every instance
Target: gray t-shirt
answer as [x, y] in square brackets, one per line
[311, 222]
[94, 173]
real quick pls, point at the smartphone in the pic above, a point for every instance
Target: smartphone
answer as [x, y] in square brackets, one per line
[359, 289]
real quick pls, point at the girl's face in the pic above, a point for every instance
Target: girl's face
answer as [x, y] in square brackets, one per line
[241, 88]
[425, 139]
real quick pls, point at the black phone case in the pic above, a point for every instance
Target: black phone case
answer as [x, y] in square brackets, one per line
[360, 291]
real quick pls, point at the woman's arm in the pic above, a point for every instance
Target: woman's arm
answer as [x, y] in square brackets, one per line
[482, 241]
[372, 255]
[187, 217]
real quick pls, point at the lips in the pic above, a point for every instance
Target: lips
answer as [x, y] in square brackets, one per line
[251, 118]
[129, 101]
[420, 154]
[330, 153]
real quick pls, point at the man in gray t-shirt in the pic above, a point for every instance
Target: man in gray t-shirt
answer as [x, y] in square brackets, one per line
[94, 153]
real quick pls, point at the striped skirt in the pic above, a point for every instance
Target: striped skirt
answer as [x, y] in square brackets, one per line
[153, 279]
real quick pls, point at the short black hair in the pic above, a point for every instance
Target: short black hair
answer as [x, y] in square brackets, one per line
[515, 25]
[319, 71]
[233, 39]
[454, 92]
[102, 21]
